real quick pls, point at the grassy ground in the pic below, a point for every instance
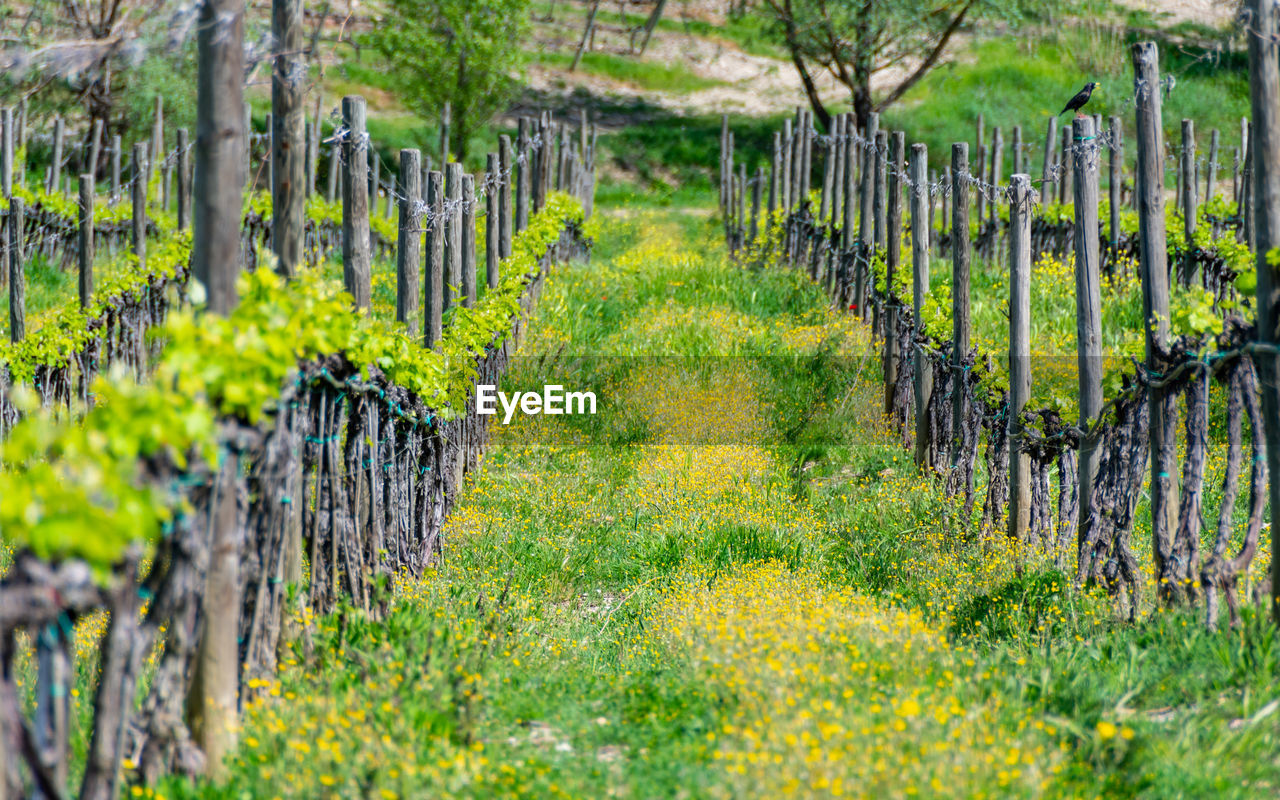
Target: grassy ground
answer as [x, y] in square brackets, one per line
[741, 587]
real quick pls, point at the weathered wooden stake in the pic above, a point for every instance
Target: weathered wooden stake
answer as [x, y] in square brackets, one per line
[1020, 202]
[157, 135]
[920, 289]
[1017, 150]
[1046, 173]
[313, 147]
[1247, 194]
[806, 167]
[288, 143]
[212, 701]
[1187, 201]
[774, 171]
[356, 257]
[866, 222]
[1212, 177]
[839, 146]
[116, 150]
[997, 163]
[6, 153]
[784, 186]
[1153, 255]
[757, 189]
[828, 180]
[959, 295]
[95, 148]
[468, 243]
[452, 234]
[335, 166]
[523, 174]
[893, 259]
[85, 251]
[433, 283]
[1264, 94]
[880, 209]
[138, 191]
[409, 240]
[55, 165]
[980, 169]
[1114, 165]
[17, 276]
[1064, 162]
[184, 179]
[1084, 164]
[492, 219]
[504, 196]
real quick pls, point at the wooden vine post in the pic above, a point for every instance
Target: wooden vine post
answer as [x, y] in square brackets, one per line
[1211, 178]
[774, 173]
[866, 221]
[784, 173]
[980, 199]
[806, 163]
[467, 216]
[504, 179]
[138, 192]
[756, 187]
[893, 258]
[55, 164]
[1064, 165]
[879, 208]
[335, 164]
[839, 147]
[997, 164]
[1264, 95]
[1153, 257]
[85, 251]
[356, 258]
[6, 152]
[492, 219]
[1046, 173]
[797, 162]
[219, 172]
[157, 136]
[1188, 200]
[313, 147]
[1115, 161]
[959, 296]
[849, 179]
[1021, 199]
[116, 155]
[725, 168]
[1016, 145]
[433, 283]
[17, 277]
[409, 240]
[184, 180]
[828, 180]
[1084, 164]
[920, 288]
[523, 174]
[288, 145]
[452, 234]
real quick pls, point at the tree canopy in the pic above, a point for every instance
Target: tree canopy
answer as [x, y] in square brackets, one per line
[855, 40]
[463, 52]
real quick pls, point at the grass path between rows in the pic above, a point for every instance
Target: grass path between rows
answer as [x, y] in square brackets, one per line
[728, 583]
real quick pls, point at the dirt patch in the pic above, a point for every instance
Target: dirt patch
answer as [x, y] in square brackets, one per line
[1216, 13]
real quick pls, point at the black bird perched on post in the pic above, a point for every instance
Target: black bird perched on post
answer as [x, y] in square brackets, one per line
[1082, 97]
